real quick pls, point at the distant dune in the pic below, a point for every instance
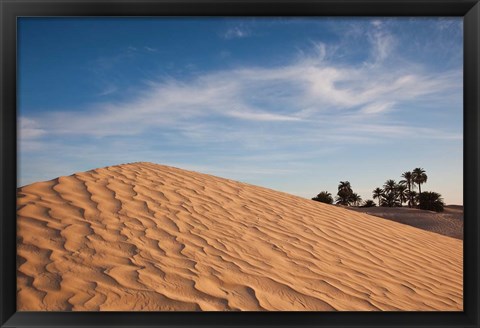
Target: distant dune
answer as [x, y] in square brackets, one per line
[149, 237]
[448, 223]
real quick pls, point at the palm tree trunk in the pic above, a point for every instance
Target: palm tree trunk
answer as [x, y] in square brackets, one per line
[409, 196]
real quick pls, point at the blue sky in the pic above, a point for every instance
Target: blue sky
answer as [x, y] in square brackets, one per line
[292, 104]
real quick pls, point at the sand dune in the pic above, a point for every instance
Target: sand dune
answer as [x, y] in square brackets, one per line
[148, 237]
[447, 223]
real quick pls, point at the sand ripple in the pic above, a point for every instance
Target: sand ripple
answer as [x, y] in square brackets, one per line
[148, 237]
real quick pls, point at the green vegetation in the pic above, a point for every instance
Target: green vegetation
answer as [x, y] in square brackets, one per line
[378, 193]
[324, 197]
[369, 203]
[408, 181]
[431, 201]
[344, 193]
[396, 194]
[392, 194]
[419, 177]
[346, 196]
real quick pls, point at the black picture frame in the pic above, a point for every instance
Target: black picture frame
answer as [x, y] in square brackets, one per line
[10, 10]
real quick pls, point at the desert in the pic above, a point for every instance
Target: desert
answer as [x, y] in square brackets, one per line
[149, 237]
[448, 222]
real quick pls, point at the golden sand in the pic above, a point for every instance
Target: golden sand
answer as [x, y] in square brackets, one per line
[149, 237]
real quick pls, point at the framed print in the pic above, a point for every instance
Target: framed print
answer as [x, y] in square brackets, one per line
[223, 163]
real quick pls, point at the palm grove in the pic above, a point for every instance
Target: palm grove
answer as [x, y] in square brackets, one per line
[391, 194]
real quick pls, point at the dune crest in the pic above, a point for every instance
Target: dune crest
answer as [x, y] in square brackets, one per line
[149, 237]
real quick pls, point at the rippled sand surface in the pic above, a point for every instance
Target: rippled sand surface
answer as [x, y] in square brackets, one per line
[143, 236]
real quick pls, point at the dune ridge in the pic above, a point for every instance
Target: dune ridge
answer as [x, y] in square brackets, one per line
[148, 237]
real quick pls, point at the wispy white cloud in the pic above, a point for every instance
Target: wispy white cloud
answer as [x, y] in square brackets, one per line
[261, 116]
[236, 32]
[447, 23]
[30, 129]
[302, 90]
[108, 90]
[383, 43]
[377, 107]
[150, 49]
[377, 22]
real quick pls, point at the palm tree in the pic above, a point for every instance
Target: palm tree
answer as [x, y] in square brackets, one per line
[345, 185]
[412, 196]
[431, 201]
[369, 203]
[390, 186]
[324, 197]
[343, 197]
[378, 193]
[408, 180]
[419, 177]
[390, 189]
[402, 193]
[355, 199]
[344, 193]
